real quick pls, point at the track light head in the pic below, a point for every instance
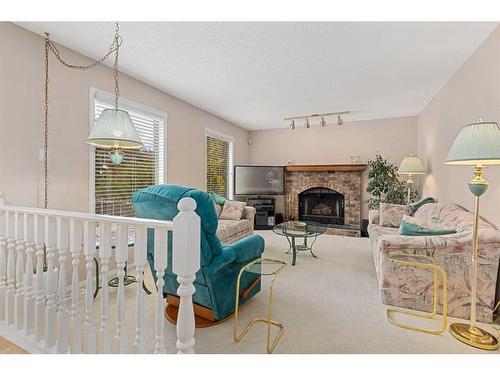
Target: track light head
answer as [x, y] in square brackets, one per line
[322, 122]
[292, 125]
[307, 124]
[340, 122]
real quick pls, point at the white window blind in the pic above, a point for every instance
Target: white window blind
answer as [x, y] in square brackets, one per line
[219, 164]
[115, 184]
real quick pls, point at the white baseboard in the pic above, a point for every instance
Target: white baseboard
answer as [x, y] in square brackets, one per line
[24, 342]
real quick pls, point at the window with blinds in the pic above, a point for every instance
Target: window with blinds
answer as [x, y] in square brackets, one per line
[115, 184]
[219, 164]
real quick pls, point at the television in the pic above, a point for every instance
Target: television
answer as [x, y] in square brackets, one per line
[259, 180]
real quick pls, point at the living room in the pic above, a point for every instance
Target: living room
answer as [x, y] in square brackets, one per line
[315, 182]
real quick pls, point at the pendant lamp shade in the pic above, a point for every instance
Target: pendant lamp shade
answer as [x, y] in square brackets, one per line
[476, 144]
[114, 129]
[411, 165]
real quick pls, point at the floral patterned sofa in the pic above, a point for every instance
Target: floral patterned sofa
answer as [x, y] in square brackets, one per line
[230, 231]
[411, 288]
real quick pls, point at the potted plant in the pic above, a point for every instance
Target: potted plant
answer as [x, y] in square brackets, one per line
[384, 184]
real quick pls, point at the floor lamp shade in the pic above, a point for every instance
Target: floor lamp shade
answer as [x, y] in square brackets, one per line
[476, 145]
[114, 129]
[411, 165]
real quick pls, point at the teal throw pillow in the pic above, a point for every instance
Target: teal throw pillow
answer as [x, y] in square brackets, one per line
[218, 199]
[416, 205]
[413, 227]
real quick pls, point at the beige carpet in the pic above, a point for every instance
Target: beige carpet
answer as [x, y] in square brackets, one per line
[328, 304]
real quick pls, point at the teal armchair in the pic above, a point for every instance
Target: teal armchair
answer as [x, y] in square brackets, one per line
[220, 263]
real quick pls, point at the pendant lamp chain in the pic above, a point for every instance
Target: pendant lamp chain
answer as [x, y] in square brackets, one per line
[51, 47]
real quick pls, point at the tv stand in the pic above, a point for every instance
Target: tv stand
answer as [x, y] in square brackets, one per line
[264, 212]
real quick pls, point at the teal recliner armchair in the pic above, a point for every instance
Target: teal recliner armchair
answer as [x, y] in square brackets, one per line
[220, 263]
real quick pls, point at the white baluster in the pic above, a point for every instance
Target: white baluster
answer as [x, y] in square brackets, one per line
[140, 257]
[39, 287]
[74, 247]
[89, 250]
[160, 263]
[3, 266]
[121, 256]
[185, 264]
[62, 312]
[19, 298]
[105, 254]
[10, 271]
[29, 319]
[51, 307]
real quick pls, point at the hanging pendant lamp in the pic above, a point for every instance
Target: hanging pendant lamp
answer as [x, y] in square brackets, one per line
[114, 128]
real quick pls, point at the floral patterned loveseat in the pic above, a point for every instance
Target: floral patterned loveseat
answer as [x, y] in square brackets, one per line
[411, 288]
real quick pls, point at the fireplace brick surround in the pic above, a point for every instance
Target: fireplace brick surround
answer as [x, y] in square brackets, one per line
[343, 178]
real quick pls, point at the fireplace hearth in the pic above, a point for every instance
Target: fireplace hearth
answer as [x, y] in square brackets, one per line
[322, 205]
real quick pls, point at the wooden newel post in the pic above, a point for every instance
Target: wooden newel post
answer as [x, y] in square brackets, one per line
[185, 264]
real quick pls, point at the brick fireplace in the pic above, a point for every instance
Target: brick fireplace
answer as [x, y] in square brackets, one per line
[330, 194]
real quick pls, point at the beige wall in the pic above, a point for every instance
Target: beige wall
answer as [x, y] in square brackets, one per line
[473, 92]
[21, 127]
[394, 138]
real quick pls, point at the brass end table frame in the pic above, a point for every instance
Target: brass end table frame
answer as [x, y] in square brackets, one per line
[255, 267]
[423, 262]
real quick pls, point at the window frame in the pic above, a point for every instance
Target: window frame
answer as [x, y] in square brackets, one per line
[227, 138]
[104, 96]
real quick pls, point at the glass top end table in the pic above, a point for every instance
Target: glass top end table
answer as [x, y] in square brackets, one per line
[300, 229]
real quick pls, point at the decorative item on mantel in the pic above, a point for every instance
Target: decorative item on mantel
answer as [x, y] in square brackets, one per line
[476, 145]
[355, 159]
[322, 121]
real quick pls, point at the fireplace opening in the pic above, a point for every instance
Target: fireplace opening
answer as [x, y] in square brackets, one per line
[322, 205]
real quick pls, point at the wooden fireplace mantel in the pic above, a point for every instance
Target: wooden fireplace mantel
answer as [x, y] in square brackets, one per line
[326, 168]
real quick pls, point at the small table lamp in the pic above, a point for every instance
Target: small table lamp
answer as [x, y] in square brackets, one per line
[476, 145]
[410, 166]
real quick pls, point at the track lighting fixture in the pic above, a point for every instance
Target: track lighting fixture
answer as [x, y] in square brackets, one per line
[322, 121]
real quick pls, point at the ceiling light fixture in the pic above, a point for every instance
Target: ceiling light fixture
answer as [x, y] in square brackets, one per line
[322, 121]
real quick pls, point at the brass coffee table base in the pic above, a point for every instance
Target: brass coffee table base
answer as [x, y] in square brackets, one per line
[474, 336]
[429, 263]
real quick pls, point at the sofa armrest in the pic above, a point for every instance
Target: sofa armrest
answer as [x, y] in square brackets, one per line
[249, 214]
[373, 217]
[247, 248]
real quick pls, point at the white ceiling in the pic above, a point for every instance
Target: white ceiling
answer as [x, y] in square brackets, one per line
[255, 74]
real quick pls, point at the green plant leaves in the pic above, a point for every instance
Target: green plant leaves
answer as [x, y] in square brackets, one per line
[384, 184]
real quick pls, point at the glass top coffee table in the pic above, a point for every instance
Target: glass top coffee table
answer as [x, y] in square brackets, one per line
[300, 229]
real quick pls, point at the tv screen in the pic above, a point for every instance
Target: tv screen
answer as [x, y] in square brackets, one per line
[259, 180]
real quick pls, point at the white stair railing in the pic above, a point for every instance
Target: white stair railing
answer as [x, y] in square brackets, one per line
[41, 305]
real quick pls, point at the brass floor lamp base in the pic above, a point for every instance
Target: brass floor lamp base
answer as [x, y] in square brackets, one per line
[473, 336]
